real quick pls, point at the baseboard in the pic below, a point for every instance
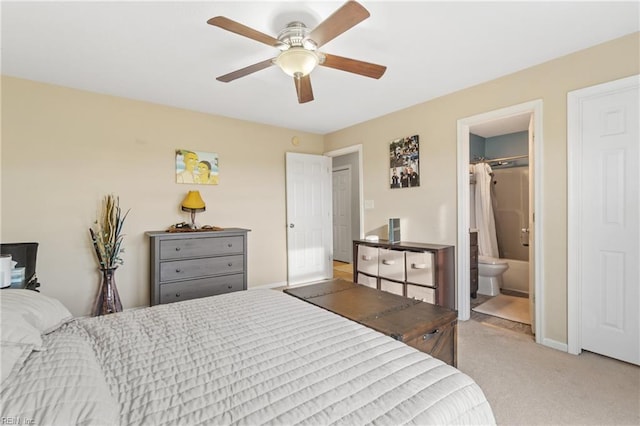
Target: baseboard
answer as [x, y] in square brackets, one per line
[554, 344]
[270, 285]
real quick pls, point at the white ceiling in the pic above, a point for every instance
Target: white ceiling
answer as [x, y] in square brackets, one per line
[166, 53]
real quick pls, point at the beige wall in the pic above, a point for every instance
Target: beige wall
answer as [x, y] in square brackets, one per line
[63, 150]
[428, 213]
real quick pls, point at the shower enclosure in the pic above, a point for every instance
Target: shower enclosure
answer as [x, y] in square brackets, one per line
[511, 211]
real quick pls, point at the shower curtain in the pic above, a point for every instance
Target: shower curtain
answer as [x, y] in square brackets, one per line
[485, 221]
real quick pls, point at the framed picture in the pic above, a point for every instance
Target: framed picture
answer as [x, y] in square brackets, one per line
[404, 162]
[196, 167]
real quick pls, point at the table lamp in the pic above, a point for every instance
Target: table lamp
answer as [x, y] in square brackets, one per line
[193, 203]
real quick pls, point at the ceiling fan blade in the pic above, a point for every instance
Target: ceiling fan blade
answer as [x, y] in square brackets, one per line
[303, 87]
[245, 71]
[243, 30]
[350, 14]
[352, 65]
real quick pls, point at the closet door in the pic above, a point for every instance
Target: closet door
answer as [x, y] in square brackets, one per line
[604, 240]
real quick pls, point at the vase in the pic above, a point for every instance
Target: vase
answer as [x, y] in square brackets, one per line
[108, 300]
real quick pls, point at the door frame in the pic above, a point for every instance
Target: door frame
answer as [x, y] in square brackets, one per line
[574, 200]
[464, 254]
[348, 150]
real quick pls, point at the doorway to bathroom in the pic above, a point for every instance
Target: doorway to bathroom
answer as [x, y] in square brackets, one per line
[499, 220]
[505, 144]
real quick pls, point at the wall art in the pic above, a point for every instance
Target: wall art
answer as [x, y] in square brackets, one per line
[196, 167]
[404, 162]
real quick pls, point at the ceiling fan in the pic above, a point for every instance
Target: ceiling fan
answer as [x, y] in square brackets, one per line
[299, 46]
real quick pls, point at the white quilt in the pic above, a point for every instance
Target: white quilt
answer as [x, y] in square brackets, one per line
[247, 358]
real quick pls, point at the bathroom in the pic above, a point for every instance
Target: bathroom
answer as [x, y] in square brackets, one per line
[499, 199]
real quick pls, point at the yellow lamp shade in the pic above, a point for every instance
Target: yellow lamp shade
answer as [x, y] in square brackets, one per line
[193, 202]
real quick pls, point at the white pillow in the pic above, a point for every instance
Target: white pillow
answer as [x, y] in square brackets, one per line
[45, 313]
[15, 330]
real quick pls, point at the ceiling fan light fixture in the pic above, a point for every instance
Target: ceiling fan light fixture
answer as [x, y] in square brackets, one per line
[297, 61]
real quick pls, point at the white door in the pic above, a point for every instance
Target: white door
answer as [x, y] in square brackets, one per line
[342, 247]
[606, 234]
[309, 236]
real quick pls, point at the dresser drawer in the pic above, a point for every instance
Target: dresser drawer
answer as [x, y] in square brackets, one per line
[426, 294]
[368, 260]
[392, 287]
[200, 247]
[391, 264]
[368, 281]
[420, 268]
[195, 268]
[193, 289]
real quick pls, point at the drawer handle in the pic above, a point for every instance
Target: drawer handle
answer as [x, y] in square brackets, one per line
[388, 262]
[177, 294]
[229, 264]
[366, 257]
[230, 245]
[229, 286]
[419, 265]
[177, 248]
[430, 335]
[178, 270]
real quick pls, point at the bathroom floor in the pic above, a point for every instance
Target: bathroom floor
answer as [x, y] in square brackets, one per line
[495, 321]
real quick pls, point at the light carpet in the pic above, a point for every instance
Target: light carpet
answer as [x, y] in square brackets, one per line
[531, 384]
[507, 307]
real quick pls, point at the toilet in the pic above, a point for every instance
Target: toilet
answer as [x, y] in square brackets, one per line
[490, 270]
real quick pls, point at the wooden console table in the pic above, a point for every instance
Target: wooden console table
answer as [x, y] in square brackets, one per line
[416, 270]
[424, 326]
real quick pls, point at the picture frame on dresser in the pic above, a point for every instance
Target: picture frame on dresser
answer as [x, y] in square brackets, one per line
[191, 265]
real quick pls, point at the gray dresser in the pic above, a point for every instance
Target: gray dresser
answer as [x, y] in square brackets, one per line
[189, 265]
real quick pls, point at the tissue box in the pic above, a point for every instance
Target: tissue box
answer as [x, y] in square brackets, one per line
[17, 277]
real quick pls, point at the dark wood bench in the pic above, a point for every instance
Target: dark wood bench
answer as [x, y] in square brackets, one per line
[426, 327]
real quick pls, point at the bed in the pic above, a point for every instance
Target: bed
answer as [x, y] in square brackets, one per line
[249, 357]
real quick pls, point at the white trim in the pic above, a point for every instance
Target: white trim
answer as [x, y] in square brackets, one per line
[464, 249]
[574, 200]
[269, 285]
[554, 344]
[464, 304]
[349, 150]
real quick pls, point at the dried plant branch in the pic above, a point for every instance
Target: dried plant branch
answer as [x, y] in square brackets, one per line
[106, 234]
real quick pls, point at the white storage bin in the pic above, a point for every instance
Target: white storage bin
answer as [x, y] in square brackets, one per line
[420, 268]
[425, 294]
[391, 264]
[391, 287]
[368, 259]
[368, 281]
